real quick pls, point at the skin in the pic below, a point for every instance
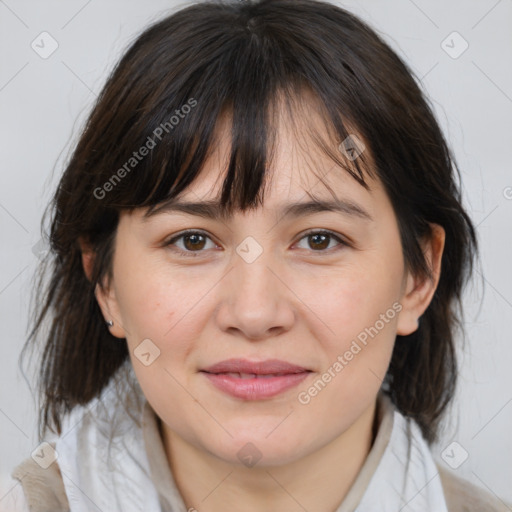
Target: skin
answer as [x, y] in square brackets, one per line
[294, 302]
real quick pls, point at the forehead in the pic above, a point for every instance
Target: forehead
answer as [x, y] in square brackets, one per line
[298, 163]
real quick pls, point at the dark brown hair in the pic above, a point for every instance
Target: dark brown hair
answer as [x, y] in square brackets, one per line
[170, 88]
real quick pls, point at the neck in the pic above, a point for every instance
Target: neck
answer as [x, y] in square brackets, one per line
[319, 481]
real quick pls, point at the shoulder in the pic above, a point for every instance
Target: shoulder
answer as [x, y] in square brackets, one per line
[42, 489]
[463, 496]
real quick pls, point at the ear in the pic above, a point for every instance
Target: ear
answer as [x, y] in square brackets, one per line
[105, 294]
[87, 256]
[419, 291]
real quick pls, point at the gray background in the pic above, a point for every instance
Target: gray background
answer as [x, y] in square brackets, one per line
[43, 103]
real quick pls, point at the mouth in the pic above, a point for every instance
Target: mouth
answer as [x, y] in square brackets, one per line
[255, 380]
[238, 375]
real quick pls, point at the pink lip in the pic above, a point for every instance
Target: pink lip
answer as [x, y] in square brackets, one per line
[257, 367]
[258, 386]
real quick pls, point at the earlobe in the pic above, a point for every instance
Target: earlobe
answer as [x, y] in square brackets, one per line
[109, 308]
[419, 291]
[104, 296]
[408, 319]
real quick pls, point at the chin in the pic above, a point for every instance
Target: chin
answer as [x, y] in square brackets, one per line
[259, 449]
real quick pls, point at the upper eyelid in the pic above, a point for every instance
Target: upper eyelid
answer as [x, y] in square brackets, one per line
[189, 232]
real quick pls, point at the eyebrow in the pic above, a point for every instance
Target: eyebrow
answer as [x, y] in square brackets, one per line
[212, 209]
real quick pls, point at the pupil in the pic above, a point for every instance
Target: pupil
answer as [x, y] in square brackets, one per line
[194, 239]
[324, 237]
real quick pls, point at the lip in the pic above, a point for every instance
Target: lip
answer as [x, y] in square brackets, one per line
[260, 379]
[257, 367]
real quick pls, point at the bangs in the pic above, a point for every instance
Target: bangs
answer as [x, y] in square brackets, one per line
[252, 140]
[245, 75]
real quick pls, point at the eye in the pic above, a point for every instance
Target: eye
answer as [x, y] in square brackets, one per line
[193, 242]
[319, 241]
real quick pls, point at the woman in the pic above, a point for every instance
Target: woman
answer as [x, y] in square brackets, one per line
[258, 251]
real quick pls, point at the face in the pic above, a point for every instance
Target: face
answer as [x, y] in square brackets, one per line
[325, 291]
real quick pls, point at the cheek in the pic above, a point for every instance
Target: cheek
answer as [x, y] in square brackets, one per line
[355, 300]
[165, 309]
[157, 304]
[145, 305]
[172, 311]
[149, 304]
[361, 312]
[361, 308]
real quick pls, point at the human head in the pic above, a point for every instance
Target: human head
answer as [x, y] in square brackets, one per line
[236, 60]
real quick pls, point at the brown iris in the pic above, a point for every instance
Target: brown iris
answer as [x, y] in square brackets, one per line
[322, 238]
[196, 242]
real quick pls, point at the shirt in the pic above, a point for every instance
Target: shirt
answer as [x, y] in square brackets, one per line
[110, 462]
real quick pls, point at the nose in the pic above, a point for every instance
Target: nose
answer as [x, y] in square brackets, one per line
[255, 302]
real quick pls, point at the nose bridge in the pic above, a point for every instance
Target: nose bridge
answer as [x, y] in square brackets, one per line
[254, 301]
[254, 282]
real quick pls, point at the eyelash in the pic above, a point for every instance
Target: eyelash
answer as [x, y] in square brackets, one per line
[195, 254]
